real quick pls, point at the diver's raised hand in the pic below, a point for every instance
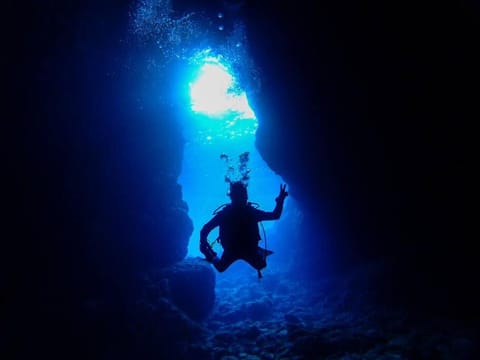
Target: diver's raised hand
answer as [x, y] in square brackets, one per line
[283, 193]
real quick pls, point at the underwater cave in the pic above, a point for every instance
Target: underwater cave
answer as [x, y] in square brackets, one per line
[126, 122]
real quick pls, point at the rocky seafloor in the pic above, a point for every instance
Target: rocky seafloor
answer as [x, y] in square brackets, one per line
[277, 317]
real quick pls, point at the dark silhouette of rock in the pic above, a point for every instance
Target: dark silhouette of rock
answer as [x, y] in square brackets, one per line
[191, 286]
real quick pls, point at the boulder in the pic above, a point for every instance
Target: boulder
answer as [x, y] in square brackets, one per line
[191, 286]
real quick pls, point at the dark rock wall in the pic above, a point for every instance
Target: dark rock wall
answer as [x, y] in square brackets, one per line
[364, 110]
[92, 161]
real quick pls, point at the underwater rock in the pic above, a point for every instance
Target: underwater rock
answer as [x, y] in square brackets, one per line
[292, 319]
[252, 333]
[286, 333]
[191, 285]
[225, 337]
[163, 235]
[260, 309]
[160, 329]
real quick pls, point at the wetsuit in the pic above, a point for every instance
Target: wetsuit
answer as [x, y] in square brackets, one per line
[239, 235]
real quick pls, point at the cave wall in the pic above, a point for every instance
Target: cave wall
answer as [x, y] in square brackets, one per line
[91, 168]
[364, 111]
[361, 113]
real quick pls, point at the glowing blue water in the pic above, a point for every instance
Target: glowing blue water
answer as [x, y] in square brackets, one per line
[220, 108]
[212, 93]
[222, 122]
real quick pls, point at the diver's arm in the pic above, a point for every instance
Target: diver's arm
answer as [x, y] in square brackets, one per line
[207, 228]
[271, 215]
[205, 247]
[277, 212]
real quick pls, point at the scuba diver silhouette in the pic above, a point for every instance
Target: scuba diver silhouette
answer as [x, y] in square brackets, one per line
[238, 230]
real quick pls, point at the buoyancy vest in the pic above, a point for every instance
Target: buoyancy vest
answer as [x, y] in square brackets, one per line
[238, 229]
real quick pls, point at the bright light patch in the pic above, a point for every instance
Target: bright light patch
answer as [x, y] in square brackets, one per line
[213, 93]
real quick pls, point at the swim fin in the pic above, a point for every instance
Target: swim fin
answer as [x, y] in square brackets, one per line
[264, 252]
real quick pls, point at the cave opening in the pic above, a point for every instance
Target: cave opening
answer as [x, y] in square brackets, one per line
[220, 146]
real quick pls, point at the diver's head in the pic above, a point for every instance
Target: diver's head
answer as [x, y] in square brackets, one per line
[238, 193]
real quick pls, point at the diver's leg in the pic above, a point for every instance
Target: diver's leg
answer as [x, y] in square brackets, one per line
[256, 260]
[224, 262]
